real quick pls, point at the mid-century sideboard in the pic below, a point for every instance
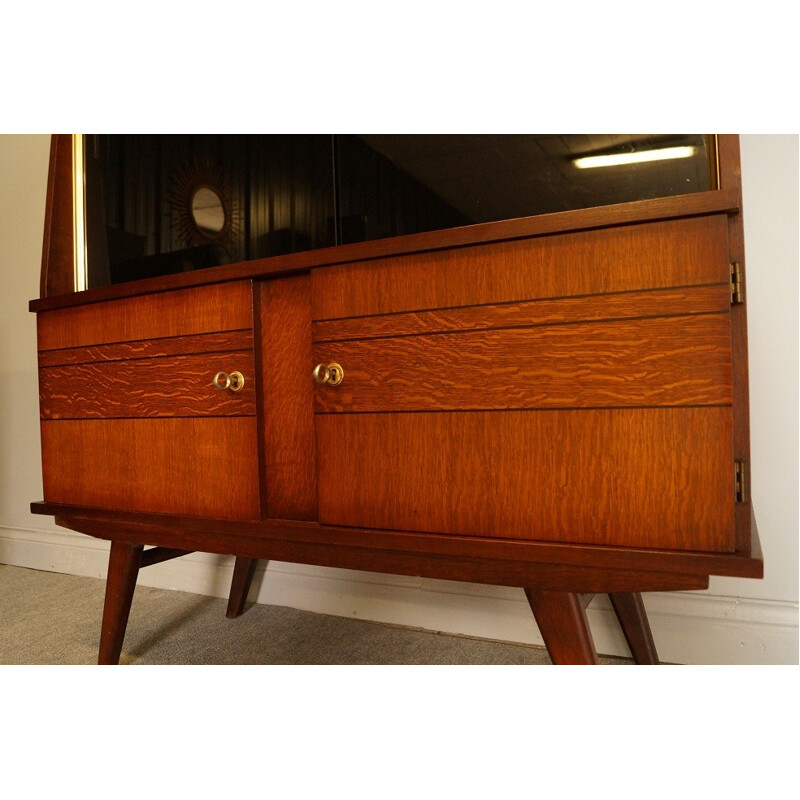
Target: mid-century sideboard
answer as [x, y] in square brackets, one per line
[555, 402]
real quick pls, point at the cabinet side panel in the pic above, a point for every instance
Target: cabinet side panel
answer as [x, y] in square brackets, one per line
[284, 309]
[58, 273]
[625, 258]
[658, 477]
[192, 466]
[730, 170]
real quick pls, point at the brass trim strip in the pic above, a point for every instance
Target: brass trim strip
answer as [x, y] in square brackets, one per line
[713, 161]
[80, 260]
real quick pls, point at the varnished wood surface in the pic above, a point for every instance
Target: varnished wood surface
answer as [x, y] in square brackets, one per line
[617, 500]
[730, 170]
[170, 387]
[562, 622]
[178, 386]
[57, 277]
[157, 555]
[256, 538]
[632, 616]
[123, 568]
[243, 571]
[639, 477]
[325, 551]
[150, 348]
[219, 307]
[650, 255]
[549, 311]
[287, 440]
[193, 466]
[659, 361]
[714, 202]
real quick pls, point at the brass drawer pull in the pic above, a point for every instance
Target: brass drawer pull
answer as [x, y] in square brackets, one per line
[234, 381]
[330, 373]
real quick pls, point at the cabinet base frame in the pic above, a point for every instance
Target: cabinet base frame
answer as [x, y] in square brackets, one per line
[558, 588]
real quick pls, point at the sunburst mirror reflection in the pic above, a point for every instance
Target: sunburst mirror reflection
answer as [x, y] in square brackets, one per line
[203, 208]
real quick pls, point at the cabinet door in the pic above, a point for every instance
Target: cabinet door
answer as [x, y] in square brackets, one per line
[572, 388]
[131, 418]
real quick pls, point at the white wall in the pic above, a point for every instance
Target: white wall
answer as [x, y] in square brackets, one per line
[23, 183]
[735, 621]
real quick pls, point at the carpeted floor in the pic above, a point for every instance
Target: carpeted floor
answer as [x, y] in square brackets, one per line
[50, 618]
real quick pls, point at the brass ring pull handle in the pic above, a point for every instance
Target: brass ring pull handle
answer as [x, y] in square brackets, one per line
[234, 381]
[332, 374]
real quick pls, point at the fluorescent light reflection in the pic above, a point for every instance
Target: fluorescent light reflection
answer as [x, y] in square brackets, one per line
[617, 159]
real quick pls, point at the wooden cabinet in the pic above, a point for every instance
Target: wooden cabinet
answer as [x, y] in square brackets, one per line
[130, 417]
[556, 403]
[571, 388]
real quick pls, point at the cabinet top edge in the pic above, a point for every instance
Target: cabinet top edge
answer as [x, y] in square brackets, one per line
[724, 201]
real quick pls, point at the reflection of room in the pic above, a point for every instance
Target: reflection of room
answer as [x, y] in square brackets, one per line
[208, 212]
[164, 204]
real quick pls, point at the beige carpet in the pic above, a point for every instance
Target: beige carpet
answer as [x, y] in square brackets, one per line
[49, 618]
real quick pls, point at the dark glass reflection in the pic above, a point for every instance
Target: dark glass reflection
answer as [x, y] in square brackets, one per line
[503, 176]
[275, 193]
[150, 210]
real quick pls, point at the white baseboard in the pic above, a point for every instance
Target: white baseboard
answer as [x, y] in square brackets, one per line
[688, 627]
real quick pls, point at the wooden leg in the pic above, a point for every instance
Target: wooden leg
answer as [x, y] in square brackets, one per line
[243, 571]
[630, 611]
[562, 622]
[123, 568]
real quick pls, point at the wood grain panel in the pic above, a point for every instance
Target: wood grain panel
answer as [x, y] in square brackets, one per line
[649, 362]
[641, 478]
[288, 404]
[624, 305]
[195, 467]
[57, 275]
[634, 257]
[180, 386]
[150, 348]
[218, 307]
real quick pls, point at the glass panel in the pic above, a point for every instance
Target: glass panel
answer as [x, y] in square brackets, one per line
[162, 204]
[416, 183]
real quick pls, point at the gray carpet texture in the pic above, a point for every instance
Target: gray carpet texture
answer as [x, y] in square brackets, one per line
[50, 618]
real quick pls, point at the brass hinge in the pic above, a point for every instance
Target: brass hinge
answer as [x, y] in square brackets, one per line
[737, 287]
[740, 481]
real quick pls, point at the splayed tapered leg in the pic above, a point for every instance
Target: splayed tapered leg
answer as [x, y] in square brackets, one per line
[243, 571]
[562, 622]
[630, 611]
[124, 561]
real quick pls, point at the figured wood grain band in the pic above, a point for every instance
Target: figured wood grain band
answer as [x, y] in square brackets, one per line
[150, 348]
[177, 386]
[665, 361]
[550, 311]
